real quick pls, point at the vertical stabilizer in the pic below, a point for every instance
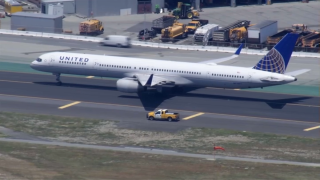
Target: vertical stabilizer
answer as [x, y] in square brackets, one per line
[279, 56]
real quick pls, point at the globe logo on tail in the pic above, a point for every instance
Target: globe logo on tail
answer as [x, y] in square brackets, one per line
[272, 62]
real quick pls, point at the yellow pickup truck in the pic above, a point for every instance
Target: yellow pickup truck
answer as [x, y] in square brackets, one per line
[163, 114]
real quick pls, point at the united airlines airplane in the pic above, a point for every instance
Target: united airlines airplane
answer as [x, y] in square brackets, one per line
[139, 75]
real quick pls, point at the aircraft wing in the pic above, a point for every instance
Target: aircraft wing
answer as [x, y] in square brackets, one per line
[298, 72]
[219, 60]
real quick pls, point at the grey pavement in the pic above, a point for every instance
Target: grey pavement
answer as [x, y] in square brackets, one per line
[162, 152]
[286, 13]
[228, 109]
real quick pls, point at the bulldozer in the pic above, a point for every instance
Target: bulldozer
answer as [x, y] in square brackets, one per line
[184, 11]
[178, 30]
[91, 27]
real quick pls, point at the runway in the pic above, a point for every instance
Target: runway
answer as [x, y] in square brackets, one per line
[231, 109]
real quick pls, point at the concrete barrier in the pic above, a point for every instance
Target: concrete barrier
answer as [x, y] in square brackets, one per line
[151, 44]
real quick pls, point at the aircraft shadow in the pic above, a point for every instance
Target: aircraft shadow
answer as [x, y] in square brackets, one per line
[152, 100]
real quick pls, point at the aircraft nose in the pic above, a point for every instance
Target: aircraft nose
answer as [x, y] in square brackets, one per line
[32, 65]
[295, 79]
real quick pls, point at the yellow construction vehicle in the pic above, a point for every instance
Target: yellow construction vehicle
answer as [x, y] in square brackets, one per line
[178, 30]
[184, 11]
[12, 7]
[91, 27]
[195, 24]
[239, 34]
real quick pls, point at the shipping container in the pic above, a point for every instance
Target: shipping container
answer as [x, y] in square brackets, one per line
[55, 9]
[258, 34]
[37, 22]
[69, 6]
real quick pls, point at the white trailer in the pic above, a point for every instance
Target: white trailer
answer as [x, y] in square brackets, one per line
[204, 32]
[258, 34]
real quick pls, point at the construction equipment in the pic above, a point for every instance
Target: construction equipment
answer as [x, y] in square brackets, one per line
[223, 33]
[147, 34]
[185, 11]
[195, 24]
[91, 27]
[311, 40]
[178, 30]
[162, 22]
[12, 7]
[239, 34]
[297, 28]
[274, 39]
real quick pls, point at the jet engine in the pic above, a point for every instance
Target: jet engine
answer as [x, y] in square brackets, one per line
[129, 86]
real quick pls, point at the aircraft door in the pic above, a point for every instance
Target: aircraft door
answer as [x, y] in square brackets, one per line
[249, 76]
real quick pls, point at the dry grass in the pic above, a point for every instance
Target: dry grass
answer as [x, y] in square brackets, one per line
[2, 135]
[21, 161]
[200, 140]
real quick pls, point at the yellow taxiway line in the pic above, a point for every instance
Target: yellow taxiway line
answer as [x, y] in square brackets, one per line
[313, 128]
[90, 77]
[68, 105]
[189, 117]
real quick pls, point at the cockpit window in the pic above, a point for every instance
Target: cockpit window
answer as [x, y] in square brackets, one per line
[39, 59]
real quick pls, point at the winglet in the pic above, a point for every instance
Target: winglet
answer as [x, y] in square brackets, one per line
[239, 49]
[148, 83]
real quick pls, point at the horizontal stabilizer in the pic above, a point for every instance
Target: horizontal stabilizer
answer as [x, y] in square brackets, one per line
[220, 60]
[298, 72]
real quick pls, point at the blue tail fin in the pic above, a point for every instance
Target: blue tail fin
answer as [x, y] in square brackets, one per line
[278, 57]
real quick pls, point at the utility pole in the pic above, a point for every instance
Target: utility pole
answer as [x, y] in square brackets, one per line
[144, 22]
[40, 8]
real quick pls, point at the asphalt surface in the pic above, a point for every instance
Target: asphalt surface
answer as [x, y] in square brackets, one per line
[230, 109]
[160, 151]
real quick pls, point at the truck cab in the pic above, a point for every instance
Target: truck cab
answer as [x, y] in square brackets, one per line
[163, 114]
[193, 26]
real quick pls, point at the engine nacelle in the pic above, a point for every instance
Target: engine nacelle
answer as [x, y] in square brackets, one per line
[129, 86]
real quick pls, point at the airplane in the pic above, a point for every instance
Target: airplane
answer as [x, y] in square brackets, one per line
[140, 75]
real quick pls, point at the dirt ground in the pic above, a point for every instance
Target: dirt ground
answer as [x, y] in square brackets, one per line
[200, 140]
[21, 161]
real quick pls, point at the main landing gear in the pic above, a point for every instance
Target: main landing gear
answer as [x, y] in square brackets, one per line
[59, 83]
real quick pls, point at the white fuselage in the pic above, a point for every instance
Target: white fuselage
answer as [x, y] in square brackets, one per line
[182, 73]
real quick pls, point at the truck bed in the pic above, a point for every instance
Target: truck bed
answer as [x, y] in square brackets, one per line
[274, 39]
[223, 34]
[162, 22]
